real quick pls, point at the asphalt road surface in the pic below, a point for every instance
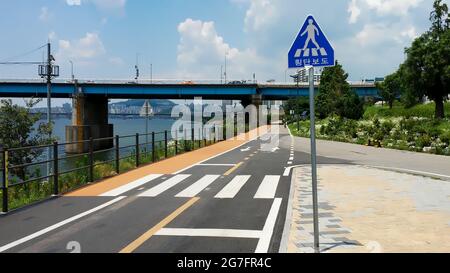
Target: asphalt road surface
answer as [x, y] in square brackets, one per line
[233, 203]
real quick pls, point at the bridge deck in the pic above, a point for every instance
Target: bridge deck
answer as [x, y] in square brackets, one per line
[164, 91]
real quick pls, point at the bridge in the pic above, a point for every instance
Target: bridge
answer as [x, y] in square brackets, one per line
[90, 98]
[165, 90]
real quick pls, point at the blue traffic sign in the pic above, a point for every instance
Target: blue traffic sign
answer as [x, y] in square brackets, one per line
[311, 47]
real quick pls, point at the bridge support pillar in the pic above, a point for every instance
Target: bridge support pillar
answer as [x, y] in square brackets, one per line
[89, 120]
[255, 100]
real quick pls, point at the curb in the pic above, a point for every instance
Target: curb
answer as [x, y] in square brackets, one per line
[413, 172]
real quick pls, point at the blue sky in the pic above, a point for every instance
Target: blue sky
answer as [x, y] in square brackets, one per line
[188, 39]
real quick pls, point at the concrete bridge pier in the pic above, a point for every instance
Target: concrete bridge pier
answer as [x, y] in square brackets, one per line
[89, 120]
[255, 100]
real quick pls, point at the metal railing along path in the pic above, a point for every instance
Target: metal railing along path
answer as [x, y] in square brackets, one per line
[23, 184]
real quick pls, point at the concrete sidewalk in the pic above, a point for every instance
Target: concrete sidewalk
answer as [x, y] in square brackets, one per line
[367, 210]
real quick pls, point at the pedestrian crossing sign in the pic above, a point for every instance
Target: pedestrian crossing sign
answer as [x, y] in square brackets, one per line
[311, 47]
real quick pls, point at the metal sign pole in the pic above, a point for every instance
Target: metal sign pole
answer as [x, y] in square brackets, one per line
[314, 160]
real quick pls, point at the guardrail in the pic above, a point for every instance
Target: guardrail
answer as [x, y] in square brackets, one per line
[177, 82]
[20, 187]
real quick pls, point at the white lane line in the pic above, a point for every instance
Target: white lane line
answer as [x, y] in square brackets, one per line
[233, 187]
[58, 225]
[225, 165]
[264, 242]
[291, 158]
[130, 186]
[226, 233]
[215, 156]
[157, 190]
[198, 186]
[289, 163]
[268, 187]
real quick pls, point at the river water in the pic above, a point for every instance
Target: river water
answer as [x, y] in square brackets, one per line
[122, 126]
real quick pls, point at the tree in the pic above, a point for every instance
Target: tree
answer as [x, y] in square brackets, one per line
[427, 67]
[298, 105]
[18, 129]
[335, 95]
[390, 88]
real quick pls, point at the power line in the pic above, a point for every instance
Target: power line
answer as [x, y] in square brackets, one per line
[22, 55]
[20, 63]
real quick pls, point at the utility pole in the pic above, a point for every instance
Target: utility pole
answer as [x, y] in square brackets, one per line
[49, 102]
[47, 71]
[221, 74]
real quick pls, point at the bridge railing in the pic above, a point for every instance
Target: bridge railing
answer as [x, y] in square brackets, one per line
[29, 175]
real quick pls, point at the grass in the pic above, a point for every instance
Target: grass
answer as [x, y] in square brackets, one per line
[421, 110]
[22, 195]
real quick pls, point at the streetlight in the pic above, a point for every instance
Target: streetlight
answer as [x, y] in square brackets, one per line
[71, 65]
[226, 55]
[151, 73]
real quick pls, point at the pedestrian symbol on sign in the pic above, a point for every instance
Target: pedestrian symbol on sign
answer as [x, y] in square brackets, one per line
[311, 48]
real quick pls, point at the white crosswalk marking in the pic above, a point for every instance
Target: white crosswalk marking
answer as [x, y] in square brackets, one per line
[306, 54]
[268, 187]
[323, 52]
[157, 190]
[298, 53]
[314, 52]
[198, 186]
[130, 186]
[233, 187]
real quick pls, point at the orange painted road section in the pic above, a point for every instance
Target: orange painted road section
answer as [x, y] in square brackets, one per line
[168, 166]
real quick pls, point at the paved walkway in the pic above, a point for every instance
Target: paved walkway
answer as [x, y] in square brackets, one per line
[371, 156]
[364, 209]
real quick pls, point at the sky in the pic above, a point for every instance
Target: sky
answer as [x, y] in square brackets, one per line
[188, 39]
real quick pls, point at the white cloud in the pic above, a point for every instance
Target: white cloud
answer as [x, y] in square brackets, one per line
[392, 7]
[44, 15]
[410, 33]
[202, 51]
[106, 5]
[259, 14]
[73, 2]
[354, 11]
[82, 50]
[52, 36]
[384, 35]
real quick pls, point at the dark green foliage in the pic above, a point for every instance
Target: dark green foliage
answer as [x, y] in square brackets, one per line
[17, 129]
[335, 95]
[426, 71]
[390, 88]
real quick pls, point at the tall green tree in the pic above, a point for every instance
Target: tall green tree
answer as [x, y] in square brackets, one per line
[335, 95]
[427, 67]
[390, 88]
[18, 129]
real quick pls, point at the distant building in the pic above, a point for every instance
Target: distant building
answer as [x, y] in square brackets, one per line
[302, 75]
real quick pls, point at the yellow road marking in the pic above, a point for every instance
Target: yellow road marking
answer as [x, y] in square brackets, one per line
[233, 169]
[147, 235]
